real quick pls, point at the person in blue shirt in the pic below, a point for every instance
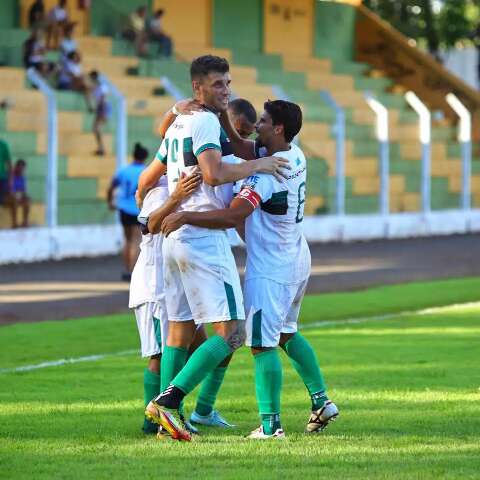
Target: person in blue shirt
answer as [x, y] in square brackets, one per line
[125, 183]
[18, 194]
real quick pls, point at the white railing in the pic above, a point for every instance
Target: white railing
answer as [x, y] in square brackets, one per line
[51, 192]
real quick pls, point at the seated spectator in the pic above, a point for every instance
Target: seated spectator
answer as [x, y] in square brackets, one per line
[103, 108]
[71, 77]
[68, 44]
[5, 171]
[135, 31]
[36, 15]
[156, 34]
[34, 54]
[57, 20]
[18, 194]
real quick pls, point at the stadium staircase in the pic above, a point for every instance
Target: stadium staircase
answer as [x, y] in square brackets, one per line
[84, 177]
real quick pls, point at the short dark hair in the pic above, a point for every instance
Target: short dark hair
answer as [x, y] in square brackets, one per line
[159, 12]
[287, 114]
[240, 106]
[21, 163]
[140, 153]
[94, 75]
[202, 66]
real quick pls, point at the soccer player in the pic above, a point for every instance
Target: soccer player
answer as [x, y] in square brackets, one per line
[243, 117]
[201, 278]
[277, 271]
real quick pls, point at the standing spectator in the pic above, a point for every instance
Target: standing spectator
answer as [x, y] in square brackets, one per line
[126, 181]
[18, 194]
[36, 15]
[103, 109]
[57, 20]
[5, 167]
[68, 44]
[71, 77]
[156, 34]
[136, 31]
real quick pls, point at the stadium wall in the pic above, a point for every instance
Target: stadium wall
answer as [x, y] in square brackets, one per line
[9, 13]
[39, 244]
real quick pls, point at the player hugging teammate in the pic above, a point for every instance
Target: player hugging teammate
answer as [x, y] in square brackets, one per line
[201, 282]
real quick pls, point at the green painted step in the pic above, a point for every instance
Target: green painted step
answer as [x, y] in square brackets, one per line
[350, 68]
[3, 120]
[72, 189]
[371, 84]
[317, 177]
[37, 165]
[286, 80]
[85, 212]
[256, 59]
[21, 143]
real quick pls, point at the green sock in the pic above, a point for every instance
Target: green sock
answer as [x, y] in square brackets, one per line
[305, 362]
[268, 385]
[173, 360]
[151, 388]
[209, 390]
[202, 361]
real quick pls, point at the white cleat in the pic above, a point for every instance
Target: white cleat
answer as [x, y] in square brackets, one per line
[319, 419]
[213, 419]
[258, 434]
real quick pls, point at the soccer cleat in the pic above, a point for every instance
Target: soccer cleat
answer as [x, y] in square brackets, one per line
[166, 418]
[162, 434]
[319, 419]
[213, 419]
[187, 425]
[258, 434]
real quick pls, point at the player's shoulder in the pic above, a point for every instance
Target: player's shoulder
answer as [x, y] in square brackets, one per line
[204, 118]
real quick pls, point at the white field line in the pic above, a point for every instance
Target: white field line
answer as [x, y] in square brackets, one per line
[326, 323]
[66, 361]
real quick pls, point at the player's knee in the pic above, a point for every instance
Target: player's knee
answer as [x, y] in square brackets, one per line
[236, 338]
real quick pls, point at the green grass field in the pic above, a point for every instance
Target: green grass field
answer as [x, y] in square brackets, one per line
[408, 387]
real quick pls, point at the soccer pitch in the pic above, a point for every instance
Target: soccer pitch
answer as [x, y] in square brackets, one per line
[407, 385]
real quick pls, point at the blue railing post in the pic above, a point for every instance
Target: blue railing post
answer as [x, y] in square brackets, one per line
[172, 89]
[121, 133]
[465, 139]
[339, 130]
[52, 147]
[382, 133]
[425, 136]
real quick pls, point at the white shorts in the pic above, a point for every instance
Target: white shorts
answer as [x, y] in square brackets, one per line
[201, 280]
[272, 308]
[152, 323]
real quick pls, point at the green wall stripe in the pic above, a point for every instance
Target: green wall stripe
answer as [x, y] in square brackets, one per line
[232, 304]
[257, 329]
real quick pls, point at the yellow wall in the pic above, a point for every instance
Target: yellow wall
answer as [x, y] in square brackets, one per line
[288, 26]
[187, 21]
[76, 15]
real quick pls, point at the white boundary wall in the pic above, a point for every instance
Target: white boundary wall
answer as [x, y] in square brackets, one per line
[37, 244]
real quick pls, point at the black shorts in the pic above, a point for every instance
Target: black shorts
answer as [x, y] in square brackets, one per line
[3, 190]
[128, 220]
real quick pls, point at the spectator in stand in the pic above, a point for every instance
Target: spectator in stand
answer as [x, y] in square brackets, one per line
[68, 43]
[72, 78]
[126, 181]
[36, 15]
[18, 194]
[34, 54]
[57, 20]
[136, 31]
[5, 171]
[103, 108]
[156, 34]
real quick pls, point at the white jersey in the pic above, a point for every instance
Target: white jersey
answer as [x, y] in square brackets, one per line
[147, 276]
[187, 137]
[276, 246]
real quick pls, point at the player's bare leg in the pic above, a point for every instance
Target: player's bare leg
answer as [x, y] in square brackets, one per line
[304, 360]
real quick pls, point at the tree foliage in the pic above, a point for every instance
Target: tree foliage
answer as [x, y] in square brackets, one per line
[436, 23]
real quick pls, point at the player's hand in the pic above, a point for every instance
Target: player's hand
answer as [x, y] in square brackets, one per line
[187, 185]
[188, 106]
[172, 222]
[138, 199]
[276, 166]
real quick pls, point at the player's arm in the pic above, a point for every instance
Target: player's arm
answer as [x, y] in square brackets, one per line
[241, 147]
[215, 172]
[185, 187]
[148, 178]
[111, 189]
[240, 209]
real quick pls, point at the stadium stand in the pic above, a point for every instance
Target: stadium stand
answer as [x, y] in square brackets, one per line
[299, 73]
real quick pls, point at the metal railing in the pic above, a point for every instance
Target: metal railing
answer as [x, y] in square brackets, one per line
[51, 200]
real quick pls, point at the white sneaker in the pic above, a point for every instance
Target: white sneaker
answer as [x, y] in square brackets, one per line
[258, 434]
[319, 419]
[213, 419]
